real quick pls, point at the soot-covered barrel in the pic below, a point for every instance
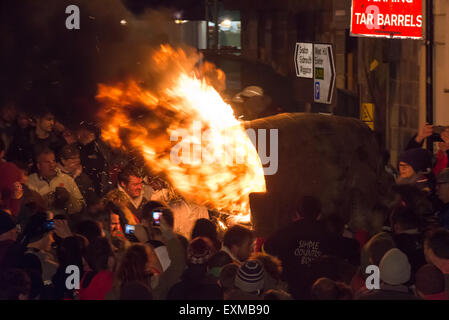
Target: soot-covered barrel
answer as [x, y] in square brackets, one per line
[333, 158]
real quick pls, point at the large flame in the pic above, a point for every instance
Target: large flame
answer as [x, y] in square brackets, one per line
[216, 165]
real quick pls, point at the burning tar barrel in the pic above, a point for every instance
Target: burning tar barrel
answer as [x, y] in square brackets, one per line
[333, 158]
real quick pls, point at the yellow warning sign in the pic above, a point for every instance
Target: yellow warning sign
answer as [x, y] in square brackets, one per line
[367, 114]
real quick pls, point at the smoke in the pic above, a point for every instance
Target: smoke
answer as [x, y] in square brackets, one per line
[45, 66]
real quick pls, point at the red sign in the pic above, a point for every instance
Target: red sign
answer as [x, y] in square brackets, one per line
[387, 18]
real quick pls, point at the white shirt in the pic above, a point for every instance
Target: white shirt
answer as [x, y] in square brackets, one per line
[43, 187]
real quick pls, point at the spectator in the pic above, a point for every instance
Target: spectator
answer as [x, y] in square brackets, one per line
[430, 283]
[344, 247]
[135, 290]
[206, 228]
[70, 252]
[419, 202]
[131, 194]
[298, 244]
[371, 254]
[436, 251]
[20, 138]
[327, 289]
[149, 233]
[226, 279]
[407, 237]
[395, 272]
[249, 281]
[43, 137]
[443, 194]
[216, 263]
[38, 237]
[273, 271]
[15, 284]
[96, 283]
[137, 266]
[237, 244]
[89, 229]
[70, 164]
[139, 260]
[11, 187]
[414, 166]
[196, 283]
[334, 268]
[49, 177]
[8, 236]
[427, 131]
[95, 157]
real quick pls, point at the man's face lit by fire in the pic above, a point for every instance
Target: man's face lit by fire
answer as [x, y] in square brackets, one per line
[46, 164]
[134, 187]
[405, 170]
[46, 123]
[243, 251]
[115, 223]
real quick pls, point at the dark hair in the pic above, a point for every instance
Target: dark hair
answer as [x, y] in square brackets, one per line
[227, 275]
[42, 149]
[90, 229]
[69, 151]
[127, 172]
[13, 283]
[71, 250]
[327, 289]
[35, 228]
[90, 127]
[98, 253]
[133, 266]
[2, 145]
[405, 217]
[438, 241]
[204, 228]
[309, 207]
[324, 289]
[236, 235]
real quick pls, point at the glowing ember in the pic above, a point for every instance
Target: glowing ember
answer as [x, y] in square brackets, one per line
[186, 132]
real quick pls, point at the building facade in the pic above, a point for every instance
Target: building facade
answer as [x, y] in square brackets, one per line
[383, 73]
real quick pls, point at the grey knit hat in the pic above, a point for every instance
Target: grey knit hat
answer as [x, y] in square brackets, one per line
[394, 267]
[250, 276]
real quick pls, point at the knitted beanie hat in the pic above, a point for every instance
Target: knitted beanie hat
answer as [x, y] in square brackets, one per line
[394, 267]
[250, 276]
[419, 159]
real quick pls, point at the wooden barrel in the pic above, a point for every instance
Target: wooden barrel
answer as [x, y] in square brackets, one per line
[333, 158]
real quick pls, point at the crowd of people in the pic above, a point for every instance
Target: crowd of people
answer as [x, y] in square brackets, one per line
[69, 202]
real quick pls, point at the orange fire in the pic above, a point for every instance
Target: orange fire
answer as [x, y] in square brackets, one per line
[186, 132]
